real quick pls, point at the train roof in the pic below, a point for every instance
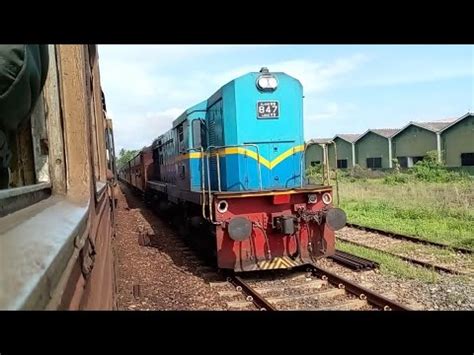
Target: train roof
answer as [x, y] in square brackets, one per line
[202, 106]
[217, 94]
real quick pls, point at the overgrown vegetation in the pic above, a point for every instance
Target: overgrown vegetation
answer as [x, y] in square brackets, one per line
[427, 201]
[125, 156]
[315, 174]
[428, 170]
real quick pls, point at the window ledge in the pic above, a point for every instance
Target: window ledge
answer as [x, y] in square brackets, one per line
[8, 193]
[36, 244]
[15, 199]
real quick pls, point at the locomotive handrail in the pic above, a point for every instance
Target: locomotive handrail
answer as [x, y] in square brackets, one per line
[209, 150]
[326, 169]
[335, 170]
[203, 186]
[301, 162]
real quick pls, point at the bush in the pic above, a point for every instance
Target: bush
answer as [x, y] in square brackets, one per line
[314, 174]
[431, 170]
[358, 172]
[395, 179]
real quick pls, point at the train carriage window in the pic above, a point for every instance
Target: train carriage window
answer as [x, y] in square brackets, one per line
[110, 152]
[24, 145]
[101, 154]
[315, 162]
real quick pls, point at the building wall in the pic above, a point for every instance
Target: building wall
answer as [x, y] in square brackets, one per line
[456, 140]
[413, 142]
[372, 146]
[344, 151]
[313, 153]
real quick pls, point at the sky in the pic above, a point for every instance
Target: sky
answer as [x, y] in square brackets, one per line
[347, 88]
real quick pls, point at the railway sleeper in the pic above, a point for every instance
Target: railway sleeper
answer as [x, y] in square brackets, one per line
[320, 295]
[315, 284]
[346, 306]
[218, 284]
[239, 305]
[229, 293]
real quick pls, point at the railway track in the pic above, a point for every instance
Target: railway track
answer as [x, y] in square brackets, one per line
[315, 289]
[410, 260]
[312, 289]
[409, 238]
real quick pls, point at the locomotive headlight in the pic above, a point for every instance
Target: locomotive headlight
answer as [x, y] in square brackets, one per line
[327, 198]
[312, 198]
[267, 82]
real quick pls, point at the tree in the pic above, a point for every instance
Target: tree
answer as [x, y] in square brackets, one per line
[125, 156]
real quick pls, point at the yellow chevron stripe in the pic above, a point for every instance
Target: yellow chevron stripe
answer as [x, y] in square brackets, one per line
[285, 155]
[247, 152]
[277, 263]
[193, 155]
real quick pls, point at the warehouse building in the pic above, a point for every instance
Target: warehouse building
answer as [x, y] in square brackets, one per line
[314, 151]
[413, 141]
[457, 142]
[345, 146]
[377, 148]
[374, 148]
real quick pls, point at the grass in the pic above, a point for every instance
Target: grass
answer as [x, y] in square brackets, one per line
[440, 212]
[389, 264]
[442, 255]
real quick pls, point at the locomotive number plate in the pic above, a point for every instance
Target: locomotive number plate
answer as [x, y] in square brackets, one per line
[268, 109]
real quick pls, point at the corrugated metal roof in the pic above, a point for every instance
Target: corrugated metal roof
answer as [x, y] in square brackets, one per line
[453, 123]
[434, 126]
[350, 137]
[320, 140]
[385, 132]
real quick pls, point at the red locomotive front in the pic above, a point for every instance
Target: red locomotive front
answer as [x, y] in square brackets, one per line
[273, 230]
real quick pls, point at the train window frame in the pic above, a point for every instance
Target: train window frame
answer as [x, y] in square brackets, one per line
[98, 121]
[38, 265]
[31, 151]
[182, 137]
[110, 146]
[197, 132]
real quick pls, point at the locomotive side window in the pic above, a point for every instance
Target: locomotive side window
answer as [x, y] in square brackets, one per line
[197, 133]
[182, 146]
[180, 133]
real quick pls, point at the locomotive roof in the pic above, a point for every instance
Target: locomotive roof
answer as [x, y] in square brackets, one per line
[202, 106]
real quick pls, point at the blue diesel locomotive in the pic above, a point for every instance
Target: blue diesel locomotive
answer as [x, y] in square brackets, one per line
[230, 173]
